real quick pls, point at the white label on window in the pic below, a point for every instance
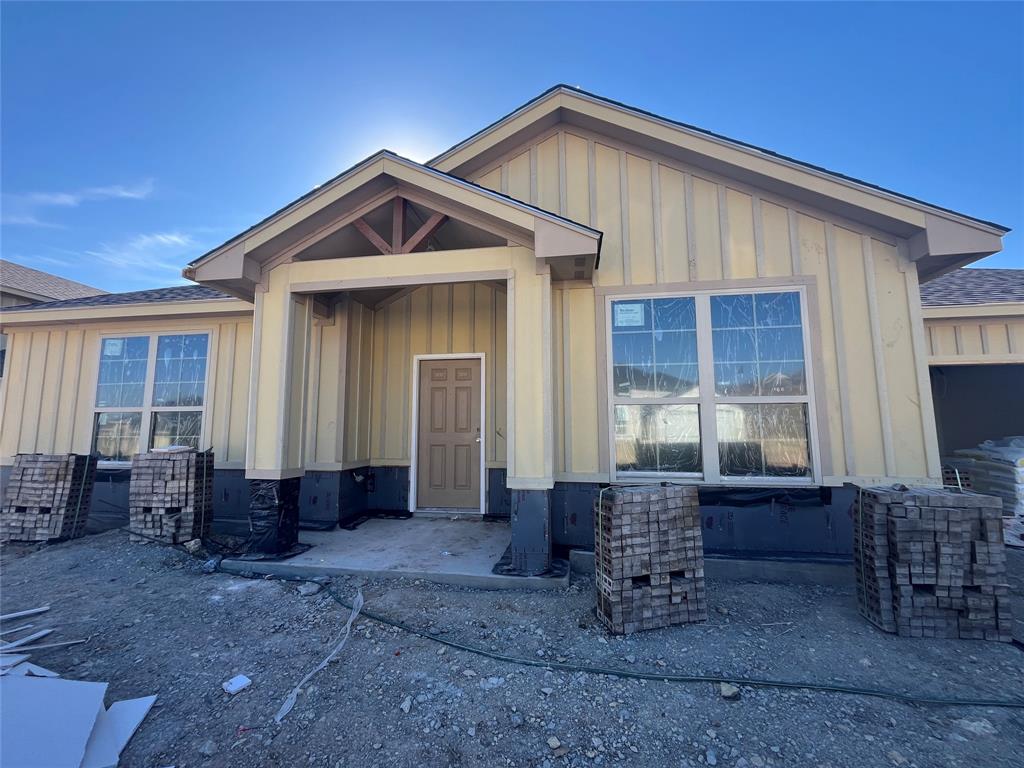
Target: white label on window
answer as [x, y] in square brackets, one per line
[629, 315]
[113, 347]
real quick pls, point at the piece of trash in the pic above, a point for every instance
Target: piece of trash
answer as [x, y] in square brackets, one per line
[446, 553]
[193, 545]
[28, 668]
[729, 691]
[236, 684]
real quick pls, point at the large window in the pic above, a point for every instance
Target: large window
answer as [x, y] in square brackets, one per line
[711, 386]
[152, 386]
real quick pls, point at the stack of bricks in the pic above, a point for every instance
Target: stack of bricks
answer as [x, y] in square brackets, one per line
[931, 563]
[170, 498]
[47, 497]
[649, 558]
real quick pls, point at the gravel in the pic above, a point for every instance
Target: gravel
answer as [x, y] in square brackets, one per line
[159, 624]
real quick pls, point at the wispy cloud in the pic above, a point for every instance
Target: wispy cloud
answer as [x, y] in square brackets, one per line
[153, 258]
[23, 209]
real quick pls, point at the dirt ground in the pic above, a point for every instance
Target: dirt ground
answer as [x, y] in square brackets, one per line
[158, 624]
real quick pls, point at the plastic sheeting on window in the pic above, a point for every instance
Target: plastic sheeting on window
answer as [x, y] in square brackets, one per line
[654, 348]
[763, 440]
[657, 438]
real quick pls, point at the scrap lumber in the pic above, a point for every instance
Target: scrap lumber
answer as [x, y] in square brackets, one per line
[23, 614]
[170, 498]
[931, 562]
[649, 558]
[47, 497]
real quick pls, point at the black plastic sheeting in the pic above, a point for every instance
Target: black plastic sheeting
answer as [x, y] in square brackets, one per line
[713, 496]
[273, 515]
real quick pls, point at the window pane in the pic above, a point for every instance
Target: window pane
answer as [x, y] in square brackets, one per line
[116, 435]
[733, 311]
[763, 440]
[180, 376]
[657, 438]
[654, 348]
[176, 428]
[675, 314]
[758, 344]
[122, 374]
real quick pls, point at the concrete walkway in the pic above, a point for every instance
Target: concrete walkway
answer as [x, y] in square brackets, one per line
[439, 549]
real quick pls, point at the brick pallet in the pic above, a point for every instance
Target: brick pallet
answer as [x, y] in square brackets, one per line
[649, 558]
[170, 498]
[47, 497]
[931, 563]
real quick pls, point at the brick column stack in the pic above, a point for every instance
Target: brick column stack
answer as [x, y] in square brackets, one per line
[171, 496]
[47, 497]
[649, 557]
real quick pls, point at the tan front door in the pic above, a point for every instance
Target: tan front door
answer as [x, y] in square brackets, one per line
[448, 468]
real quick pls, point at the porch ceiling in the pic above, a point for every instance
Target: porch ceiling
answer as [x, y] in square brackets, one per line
[349, 216]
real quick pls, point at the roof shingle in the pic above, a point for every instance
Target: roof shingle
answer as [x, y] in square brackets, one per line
[152, 296]
[25, 279]
[974, 286]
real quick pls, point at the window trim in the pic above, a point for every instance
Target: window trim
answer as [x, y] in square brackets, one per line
[147, 410]
[706, 398]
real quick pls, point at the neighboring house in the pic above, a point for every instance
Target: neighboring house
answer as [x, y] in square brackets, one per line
[23, 285]
[580, 293]
[974, 323]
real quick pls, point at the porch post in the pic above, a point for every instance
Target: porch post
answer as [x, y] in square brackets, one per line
[275, 447]
[530, 439]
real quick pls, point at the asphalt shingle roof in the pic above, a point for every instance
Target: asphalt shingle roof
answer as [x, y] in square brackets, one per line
[974, 286]
[153, 296]
[21, 278]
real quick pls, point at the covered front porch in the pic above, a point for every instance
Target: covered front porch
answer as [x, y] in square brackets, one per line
[402, 354]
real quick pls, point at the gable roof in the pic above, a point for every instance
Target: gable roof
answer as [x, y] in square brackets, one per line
[237, 264]
[449, 158]
[42, 285]
[974, 286]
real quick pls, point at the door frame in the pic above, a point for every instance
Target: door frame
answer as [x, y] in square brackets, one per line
[415, 422]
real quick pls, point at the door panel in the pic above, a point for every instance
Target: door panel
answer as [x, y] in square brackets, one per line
[448, 455]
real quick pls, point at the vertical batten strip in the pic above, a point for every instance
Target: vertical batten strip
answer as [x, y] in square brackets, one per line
[566, 396]
[510, 381]
[254, 379]
[316, 351]
[504, 178]
[794, 241]
[492, 369]
[881, 381]
[691, 232]
[723, 232]
[627, 267]
[837, 327]
[592, 180]
[758, 235]
[546, 374]
[659, 257]
[224, 438]
[407, 377]
[924, 386]
[563, 197]
[60, 385]
[958, 340]
[533, 175]
[385, 316]
[450, 317]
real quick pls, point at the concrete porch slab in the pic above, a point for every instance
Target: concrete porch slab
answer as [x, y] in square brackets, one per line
[438, 549]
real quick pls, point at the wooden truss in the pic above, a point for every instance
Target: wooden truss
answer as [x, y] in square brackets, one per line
[398, 244]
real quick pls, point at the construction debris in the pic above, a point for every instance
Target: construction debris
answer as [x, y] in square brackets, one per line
[931, 563]
[649, 558]
[47, 497]
[50, 722]
[236, 684]
[170, 498]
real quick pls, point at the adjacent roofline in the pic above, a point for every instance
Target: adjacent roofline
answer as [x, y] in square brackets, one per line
[850, 181]
[412, 164]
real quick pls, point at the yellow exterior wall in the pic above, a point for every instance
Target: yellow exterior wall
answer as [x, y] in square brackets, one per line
[975, 335]
[673, 226]
[448, 318]
[49, 394]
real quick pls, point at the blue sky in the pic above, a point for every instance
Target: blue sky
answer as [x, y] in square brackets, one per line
[136, 136]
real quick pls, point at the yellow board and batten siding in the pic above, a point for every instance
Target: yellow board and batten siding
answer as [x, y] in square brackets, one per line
[672, 226]
[49, 396]
[975, 335]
